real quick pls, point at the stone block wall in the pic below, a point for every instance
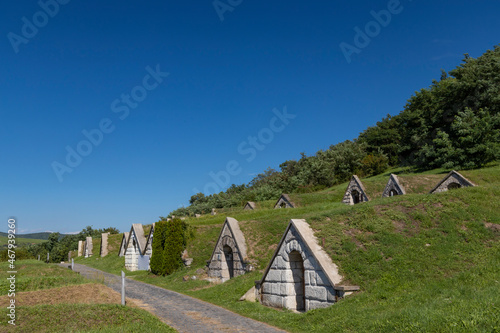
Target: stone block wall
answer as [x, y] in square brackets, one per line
[218, 267]
[149, 250]
[149, 247]
[393, 185]
[104, 244]
[132, 254]
[453, 178]
[80, 248]
[88, 247]
[354, 186]
[284, 286]
[123, 244]
[284, 202]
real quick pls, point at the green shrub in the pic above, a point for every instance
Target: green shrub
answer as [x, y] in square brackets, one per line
[156, 262]
[175, 243]
[169, 241]
[21, 253]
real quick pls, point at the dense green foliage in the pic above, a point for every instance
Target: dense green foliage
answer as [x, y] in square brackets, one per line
[59, 246]
[169, 241]
[433, 119]
[473, 138]
[20, 252]
[174, 245]
[455, 123]
[156, 262]
[37, 235]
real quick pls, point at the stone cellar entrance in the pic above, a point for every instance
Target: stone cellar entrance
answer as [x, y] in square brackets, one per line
[228, 254]
[355, 192]
[355, 197]
[393, 187]
[228, 257]
[297, 267]
[301, 275]
[452, 181]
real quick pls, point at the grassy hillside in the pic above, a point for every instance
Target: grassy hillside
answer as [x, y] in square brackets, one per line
[20, 241]
[424, 262]
[38, 235]
[114, 242]
[96, 246]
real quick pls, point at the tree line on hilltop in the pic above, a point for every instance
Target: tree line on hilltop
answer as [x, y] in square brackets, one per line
[57, 245]
[453, 124]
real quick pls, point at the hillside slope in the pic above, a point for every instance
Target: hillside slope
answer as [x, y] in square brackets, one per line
[424, 262]
[20, 241]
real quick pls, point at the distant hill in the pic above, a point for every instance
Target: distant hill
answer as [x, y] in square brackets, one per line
[37, 235]
[20, 241]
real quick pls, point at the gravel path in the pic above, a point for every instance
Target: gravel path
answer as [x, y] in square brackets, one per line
[184, 313]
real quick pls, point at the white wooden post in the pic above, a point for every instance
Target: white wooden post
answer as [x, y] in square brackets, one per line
[48, 257]
[123, 288]
[72, 264]
[38, 257]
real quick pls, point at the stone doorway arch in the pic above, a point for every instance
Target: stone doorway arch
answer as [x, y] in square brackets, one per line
[356, 197]
[228, 255]
[297, 267]
[452, 181]
[393, 193]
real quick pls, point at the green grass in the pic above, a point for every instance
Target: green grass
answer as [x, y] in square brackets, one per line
[425, 263]
[96, 247]
[84, 318]
[39, 235]
[34, 275]
[111, 263]
[20, 241]
[114, 242]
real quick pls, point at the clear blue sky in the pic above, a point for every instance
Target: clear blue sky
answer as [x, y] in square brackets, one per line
[75, 70]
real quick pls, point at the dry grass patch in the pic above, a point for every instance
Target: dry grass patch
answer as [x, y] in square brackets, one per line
[353, 236]
[493, 226]
[90, 293]
[419, 184]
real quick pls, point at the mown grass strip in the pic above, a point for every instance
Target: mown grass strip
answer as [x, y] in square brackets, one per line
[84, 318]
